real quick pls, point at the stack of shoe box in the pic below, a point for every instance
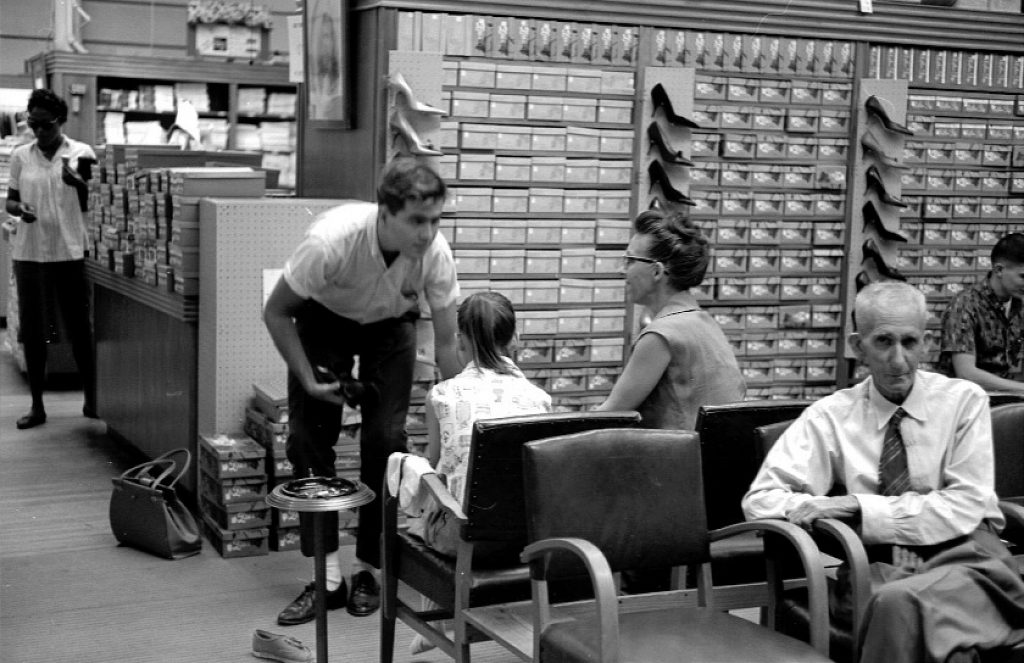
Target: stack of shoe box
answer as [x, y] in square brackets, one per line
[346, 466]
[233, 489]
[266, 421]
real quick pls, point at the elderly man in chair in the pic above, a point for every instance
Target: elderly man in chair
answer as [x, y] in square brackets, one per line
[911, 454]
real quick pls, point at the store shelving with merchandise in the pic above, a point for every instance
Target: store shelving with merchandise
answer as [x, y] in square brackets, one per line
[239, 106]
[963, 180]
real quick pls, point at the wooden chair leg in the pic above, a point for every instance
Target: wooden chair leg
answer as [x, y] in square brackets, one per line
[387, 638]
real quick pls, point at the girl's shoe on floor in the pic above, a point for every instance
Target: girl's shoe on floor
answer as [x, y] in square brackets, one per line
[277, 647]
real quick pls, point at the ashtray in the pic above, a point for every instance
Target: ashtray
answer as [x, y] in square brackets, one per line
[318, 488]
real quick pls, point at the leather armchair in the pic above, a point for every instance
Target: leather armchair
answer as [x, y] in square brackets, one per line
[731, 458]
[612, 500]
[1008, 447]
[486, 569]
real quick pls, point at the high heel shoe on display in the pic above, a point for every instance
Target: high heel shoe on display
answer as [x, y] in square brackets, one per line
[401, 127]
[660, 98]
[874, 181]
[874, 220]
[668, 153]
[660, 177]
[874, 107]
[876, 151]
[402, 91]
[871, 252]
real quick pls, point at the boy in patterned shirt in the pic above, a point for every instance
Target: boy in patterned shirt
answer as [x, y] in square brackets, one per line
[983, 327]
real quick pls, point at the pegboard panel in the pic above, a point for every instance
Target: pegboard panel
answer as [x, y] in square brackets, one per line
[239, 239]
[893, 95]
[678, 82]
[424, 73]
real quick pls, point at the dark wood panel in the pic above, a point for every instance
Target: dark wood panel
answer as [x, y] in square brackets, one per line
[145, 374]
[333, 162]
[891, 22]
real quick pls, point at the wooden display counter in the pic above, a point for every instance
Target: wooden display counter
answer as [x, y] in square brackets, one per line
[145, 364]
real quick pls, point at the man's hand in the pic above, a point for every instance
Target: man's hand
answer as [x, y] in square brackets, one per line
[325, 391]
[823, 507]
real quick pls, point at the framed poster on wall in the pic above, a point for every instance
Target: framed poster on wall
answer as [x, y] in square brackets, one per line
[327, 64]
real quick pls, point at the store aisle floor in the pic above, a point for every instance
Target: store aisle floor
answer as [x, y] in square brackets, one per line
[68, 592]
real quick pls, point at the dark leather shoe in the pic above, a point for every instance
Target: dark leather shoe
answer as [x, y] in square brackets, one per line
[303, 608]
[365, 597]
[31, 420]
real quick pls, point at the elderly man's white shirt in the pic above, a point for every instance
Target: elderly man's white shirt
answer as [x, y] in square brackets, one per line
[838, 440]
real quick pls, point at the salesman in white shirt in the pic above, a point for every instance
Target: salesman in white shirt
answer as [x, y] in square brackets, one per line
[906, 457]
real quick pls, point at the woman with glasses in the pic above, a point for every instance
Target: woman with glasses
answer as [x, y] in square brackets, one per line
[48, 194]
[681, 359]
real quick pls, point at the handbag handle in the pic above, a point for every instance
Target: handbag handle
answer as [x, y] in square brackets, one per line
[167, 462]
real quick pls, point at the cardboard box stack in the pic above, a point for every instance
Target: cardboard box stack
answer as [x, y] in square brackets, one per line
[143, 208]
[266, 421]
[232, 492]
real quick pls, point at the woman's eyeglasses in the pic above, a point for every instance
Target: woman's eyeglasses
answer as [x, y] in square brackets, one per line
[628, 260]
[36, 125]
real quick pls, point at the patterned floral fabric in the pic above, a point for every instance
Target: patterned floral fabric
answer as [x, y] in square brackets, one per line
[477, 393]
[976, 322]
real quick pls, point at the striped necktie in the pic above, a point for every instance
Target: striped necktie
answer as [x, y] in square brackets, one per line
[893, 476]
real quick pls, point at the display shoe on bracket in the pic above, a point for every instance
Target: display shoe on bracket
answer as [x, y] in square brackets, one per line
[873, 220]
[874, 106]
[871, 253]
[415, 145]
[668, 153]
[659, 98]
[874, 180]
[660, 177]
[873, 149]
[405, 96]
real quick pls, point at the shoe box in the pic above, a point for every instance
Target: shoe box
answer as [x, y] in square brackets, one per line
[232, 491]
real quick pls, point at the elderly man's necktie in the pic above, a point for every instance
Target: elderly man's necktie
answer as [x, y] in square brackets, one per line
[893, 476]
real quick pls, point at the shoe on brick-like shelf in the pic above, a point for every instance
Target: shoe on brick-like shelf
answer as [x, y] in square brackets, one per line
[303, 608]
[873, 220]
[365, 597]
[277, 647]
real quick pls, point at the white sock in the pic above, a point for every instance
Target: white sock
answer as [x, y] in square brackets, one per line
[333, 568]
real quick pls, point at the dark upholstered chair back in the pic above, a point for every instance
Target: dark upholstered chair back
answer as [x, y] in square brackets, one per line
[634, 493]
[731, 453]
[768, 435]
[1008, 446]
[997, 398]
[494, 479]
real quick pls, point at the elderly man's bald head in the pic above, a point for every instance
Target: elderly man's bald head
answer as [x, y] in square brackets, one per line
[886, 298]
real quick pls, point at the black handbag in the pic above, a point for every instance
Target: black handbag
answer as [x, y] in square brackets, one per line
[145, 511]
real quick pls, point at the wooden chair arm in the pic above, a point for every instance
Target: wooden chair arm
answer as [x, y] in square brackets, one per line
[810, 558]
[601, 578]
[433, 484]
[856, 559]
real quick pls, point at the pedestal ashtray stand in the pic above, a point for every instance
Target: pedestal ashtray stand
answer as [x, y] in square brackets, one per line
[317, 496]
